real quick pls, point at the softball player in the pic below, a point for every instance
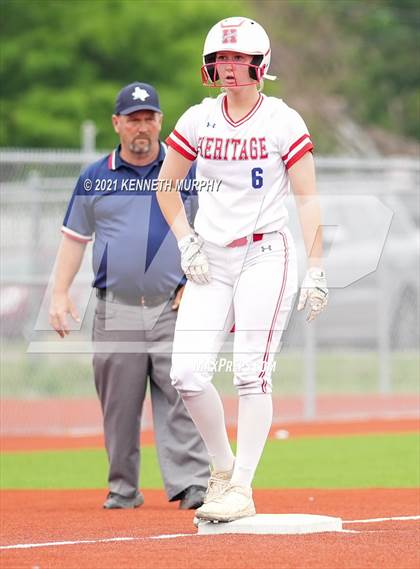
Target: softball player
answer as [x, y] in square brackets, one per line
[240, 259]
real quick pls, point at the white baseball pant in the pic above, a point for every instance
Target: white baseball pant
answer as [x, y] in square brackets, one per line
[252, 287]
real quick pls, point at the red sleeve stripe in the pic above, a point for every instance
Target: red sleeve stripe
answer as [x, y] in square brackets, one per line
[188, 155]
[184, 140]
[76, 236]
[298, 155]
[295, 145]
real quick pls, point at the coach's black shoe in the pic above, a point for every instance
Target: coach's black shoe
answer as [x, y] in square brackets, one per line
[192, 498]
[117, 502]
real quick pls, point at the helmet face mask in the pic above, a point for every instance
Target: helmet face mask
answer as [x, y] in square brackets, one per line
[210, 74]
[239, 35]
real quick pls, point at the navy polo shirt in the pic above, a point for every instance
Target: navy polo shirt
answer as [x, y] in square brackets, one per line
[114, 203]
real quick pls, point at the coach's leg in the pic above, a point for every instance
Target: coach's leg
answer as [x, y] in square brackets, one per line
[204, 321]
[182, 455]
[120, 380]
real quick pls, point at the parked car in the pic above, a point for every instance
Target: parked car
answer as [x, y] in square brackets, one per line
[372, 263]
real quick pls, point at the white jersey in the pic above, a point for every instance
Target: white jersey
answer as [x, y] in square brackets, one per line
[250, 157]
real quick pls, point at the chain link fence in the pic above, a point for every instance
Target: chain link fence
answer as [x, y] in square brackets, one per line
[359, 360]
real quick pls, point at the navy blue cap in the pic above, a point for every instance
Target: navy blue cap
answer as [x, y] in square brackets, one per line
[136, 97]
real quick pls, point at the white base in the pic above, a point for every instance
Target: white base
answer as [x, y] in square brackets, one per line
[273, 524]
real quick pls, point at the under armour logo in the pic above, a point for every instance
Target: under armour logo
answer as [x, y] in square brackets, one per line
[139, 93]
[230, 35]
[211, 125]
[268, 248]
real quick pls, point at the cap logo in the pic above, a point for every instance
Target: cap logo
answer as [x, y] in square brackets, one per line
[139, 94]
[230, 35]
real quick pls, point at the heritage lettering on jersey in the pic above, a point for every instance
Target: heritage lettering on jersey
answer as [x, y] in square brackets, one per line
[215, 148]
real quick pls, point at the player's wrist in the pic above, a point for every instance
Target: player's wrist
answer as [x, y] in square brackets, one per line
[187, 240]
[60, 291]
[317, 273]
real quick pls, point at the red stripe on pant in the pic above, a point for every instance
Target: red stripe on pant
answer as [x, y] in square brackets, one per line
[276, 312]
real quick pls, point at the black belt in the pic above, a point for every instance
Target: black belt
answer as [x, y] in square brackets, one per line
[132, 300]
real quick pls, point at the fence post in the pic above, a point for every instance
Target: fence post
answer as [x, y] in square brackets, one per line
[309, 401]
[34, 185]
[36, 266]
[384, 333]
[88, 140]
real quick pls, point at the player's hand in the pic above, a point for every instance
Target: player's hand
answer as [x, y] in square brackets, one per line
[194, 262]
[314, 291]
[178, 297]
[62, 305]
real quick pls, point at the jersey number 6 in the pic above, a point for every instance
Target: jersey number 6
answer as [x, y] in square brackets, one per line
[257, 179]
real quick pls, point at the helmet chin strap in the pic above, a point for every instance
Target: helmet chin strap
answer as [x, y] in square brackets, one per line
[262, 75]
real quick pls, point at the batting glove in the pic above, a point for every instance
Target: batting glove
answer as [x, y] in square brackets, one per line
[194, 262]
[314, 291]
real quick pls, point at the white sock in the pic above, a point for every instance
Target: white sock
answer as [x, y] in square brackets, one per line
[254, 422]
[206, 410]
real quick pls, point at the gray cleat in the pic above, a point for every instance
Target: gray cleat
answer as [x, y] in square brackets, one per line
[193, 497]
[117, 502]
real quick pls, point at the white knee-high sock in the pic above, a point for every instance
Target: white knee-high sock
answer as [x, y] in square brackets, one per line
[254, 422]
[206, 410]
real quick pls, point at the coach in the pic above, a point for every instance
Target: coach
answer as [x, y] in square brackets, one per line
[139, 284]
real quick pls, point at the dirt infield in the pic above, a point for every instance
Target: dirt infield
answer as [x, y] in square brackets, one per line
[34, 443]
[152, 539]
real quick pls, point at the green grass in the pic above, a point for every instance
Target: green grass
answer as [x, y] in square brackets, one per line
[325, 462]
[55, 375]
[386, 461]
